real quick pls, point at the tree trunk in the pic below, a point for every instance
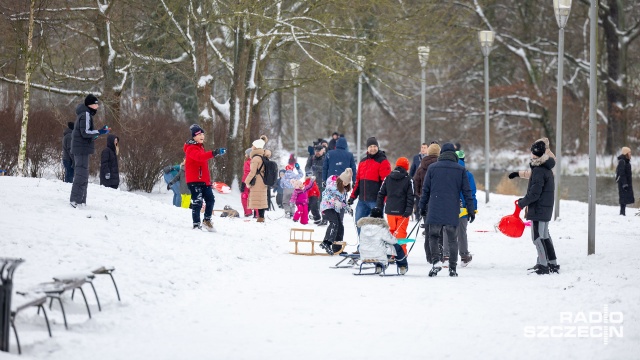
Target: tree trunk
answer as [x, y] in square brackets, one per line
[22, 153]
[616, 86]
[112, 89]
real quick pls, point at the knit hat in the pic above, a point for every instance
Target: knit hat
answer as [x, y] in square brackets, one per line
[71, 125]
[282, 171]
[372, 141]
[292, 159]
[288, 167]
[376, 213]
[90, 100]
[403, 162]
[448, 147]
[538, 148]
[195, 130]
[625, 150]
[460, 154]
[433, 149]
[259, 144]
[247, 152]
[346, 176]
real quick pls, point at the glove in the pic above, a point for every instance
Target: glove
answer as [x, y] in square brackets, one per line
[350, 201]
[168, 187]
[220, 151]
[472, 217]
[297, 166]
[407, 214]
[324, 184]
[423, 212]
[107, 176]
[625, 186]
[243, 187]
[349, 210]
[514, 175]
[103, 131]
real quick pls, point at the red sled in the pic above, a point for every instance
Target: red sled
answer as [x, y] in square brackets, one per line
[221, 187]
[512, 225]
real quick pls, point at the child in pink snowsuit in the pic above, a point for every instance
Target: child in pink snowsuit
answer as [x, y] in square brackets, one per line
[301, 198]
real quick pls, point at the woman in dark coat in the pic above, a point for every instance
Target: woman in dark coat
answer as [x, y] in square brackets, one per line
[109, 173]
[623, 178]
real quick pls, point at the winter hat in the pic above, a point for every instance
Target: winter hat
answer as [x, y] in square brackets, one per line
[195, 130]
[376, 213]
[288, 167]
[282, 171]
[403, 162]
[433, 149]
[90, 100]
[372, 141]
[447, 147]
[625, 150]
[259, 144]
[538, 148]
[335, 133]
[247, 152]
[292, 159]
[460, 154]
[71, 125]
[346, 176]
[318, 147]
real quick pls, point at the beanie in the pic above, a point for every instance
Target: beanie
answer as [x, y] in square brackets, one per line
[195, 130]
[376, 213]
[247, 152]
[448, 147]
[90, 100]
[372, 141]
[346, 176]
[538, 148]
[259, 144]
[292, 159]
[433, 149]
[625, 150]
[403, 162]
[460, 154]
[71, 125]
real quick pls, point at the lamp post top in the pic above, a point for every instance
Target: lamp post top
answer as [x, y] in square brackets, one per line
[294, 67]
[423, 55]
[486, 38]
[562, 9]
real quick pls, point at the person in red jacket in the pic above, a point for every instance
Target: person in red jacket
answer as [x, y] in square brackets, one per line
[196, 169]
[244, 190]
[314, 199]
[372, 170]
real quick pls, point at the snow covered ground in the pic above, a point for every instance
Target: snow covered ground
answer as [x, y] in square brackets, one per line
[239, 294]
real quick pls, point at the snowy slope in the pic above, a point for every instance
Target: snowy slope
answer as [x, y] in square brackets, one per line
[238, 294]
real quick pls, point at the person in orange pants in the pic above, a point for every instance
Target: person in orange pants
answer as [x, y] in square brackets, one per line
[397, 188]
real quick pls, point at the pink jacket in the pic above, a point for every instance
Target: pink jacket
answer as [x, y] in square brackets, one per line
[246, 169]
[301, 196]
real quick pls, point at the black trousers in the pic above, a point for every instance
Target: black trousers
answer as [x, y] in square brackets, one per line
[335, 230]
[314, 207]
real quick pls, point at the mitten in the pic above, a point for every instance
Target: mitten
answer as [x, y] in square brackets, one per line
[219, 151]
[407, 214]
[350, 201]
[472, 217]
[243, 187]
[423, 212]
[514, 175]
[168, 187]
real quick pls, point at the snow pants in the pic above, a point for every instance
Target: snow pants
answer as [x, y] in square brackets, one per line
[80, 179]
[199, 192]
[542, 241]
[335, 230]
[286, 201]
[302, 213]
[398, 228]
[461, 233]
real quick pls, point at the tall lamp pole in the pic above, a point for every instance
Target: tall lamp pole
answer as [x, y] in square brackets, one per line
[593, 130]
[562, 8]
[423, 55]
[360, 63]
[294, 67]
[486, 42]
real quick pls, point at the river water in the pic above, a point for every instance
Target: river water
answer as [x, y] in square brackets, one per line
[571, 187]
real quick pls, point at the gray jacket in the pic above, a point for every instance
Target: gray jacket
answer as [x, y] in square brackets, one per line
[184, 188]
[84, 132]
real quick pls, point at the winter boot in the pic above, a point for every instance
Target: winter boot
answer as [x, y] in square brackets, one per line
[435, 269]
[379, 269]
[542, 270]
[326, 246]
[534, 267]
[260, 220]
[208, 225]
[74, 204]
[403, 270]
[466, 259]
[197, 226]
[452, 271]
[554, 269]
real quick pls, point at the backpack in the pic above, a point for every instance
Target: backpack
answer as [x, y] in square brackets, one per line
[270, 171]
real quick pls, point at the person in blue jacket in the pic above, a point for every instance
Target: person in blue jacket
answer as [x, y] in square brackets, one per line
[338, 160]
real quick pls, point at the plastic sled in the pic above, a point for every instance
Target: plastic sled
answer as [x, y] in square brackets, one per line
[512, 225]
[221, 187]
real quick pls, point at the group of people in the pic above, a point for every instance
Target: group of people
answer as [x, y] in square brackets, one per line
[78, 143]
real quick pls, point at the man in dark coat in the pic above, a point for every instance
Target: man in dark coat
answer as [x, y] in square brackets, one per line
[333, 143]
[67, 157]
[315, 163]
[623, 178]
[433, 151]
[418, 159]
[109, 172]
[82, 146]
[443, 183]
[539, 200]
[338, 160]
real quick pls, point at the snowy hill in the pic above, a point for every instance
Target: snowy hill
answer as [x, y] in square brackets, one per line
[238, 294]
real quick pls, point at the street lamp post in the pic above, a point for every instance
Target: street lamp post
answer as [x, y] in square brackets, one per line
[593, 130]
[562, 8]
[294, 67]
[423, 55]
[360, 63]
[486, 42]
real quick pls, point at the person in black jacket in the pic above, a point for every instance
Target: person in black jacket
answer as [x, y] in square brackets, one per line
[109, 173]
[397, 188]
[443, 183]
[623, 178]
[539, 200]
[67, 157]
[82, 145]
